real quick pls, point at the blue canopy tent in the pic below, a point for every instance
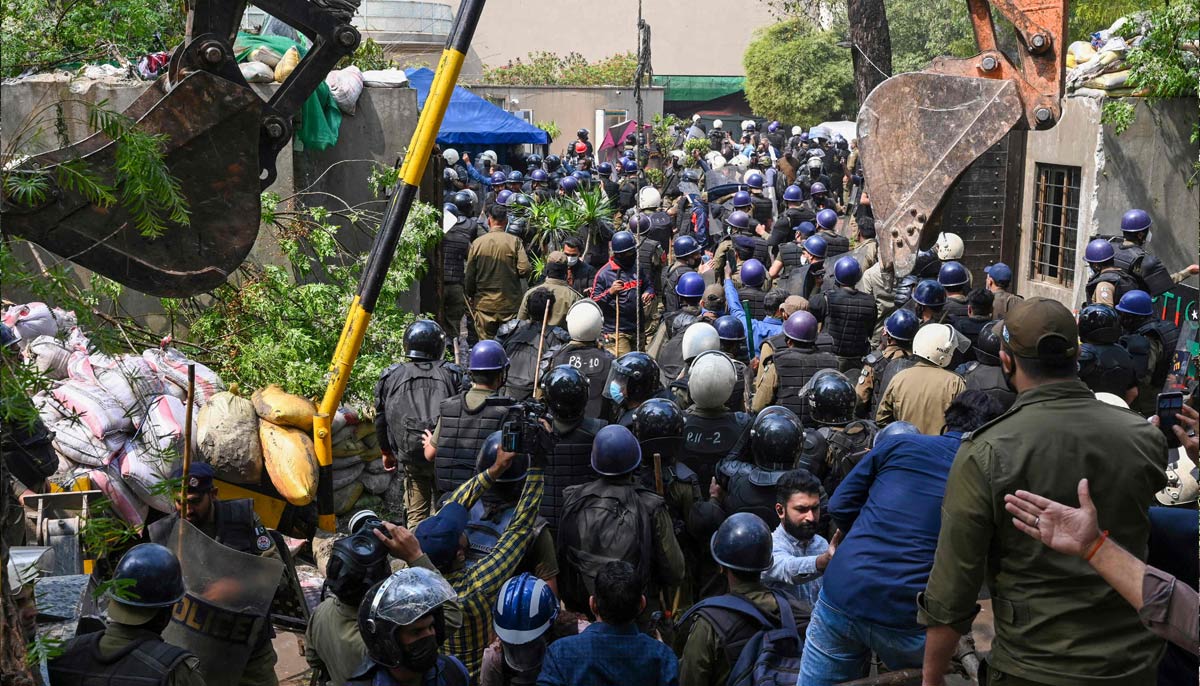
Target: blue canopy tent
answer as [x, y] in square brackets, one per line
[471, 120]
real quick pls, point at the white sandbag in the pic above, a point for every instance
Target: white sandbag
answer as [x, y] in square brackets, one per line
[345, 85]
[65, 319]
[76, 442]
[143, 468]
[347, 476]
[172, 365]
[29, 321]
[342, 418]
[267, 56]
[125, 504]
[377, 483]
[131, 381]
[256, 72]
[78, 340]
[98, 410]
[50, 356]
[163, 427]
[49, 409]
[227, 437]
[384, 78]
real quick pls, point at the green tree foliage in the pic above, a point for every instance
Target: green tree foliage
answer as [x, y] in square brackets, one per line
[549, 69]
[924, 29]
[796, 72]
[41, 34]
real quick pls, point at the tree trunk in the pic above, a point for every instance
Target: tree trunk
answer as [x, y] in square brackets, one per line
[872, 44]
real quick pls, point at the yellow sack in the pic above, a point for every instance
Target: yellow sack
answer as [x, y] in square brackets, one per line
[1079, 52]
[1109, 81]
[287, 64]
[291, 462]
[280, 407]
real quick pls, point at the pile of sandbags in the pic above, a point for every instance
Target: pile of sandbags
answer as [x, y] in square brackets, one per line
[1097, 68]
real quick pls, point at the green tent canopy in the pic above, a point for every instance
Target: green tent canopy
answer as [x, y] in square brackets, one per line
[698, 88]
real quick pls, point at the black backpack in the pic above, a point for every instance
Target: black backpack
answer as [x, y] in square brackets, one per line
[771, 655]
[602, 522]
[521, 345]
[412, 395]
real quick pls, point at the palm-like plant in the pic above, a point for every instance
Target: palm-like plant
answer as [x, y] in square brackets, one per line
[553, 221]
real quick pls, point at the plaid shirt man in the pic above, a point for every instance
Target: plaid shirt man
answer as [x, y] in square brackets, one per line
[478, 586]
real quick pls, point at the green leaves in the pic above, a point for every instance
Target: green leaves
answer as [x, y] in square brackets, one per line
[796, 72]
[1118, 114]
[548, 69]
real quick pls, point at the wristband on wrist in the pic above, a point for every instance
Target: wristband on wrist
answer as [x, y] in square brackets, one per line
[1096, 546]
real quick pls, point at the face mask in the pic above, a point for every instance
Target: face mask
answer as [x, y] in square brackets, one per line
[421, 655]
[801, 532]
[616, 392]
[625, 260]
[572, 260]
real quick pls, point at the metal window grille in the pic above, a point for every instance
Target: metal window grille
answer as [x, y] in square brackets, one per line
[1055, 223]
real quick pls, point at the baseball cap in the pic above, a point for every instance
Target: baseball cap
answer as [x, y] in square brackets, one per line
[1040, 328]
[714, 298]
[999, 272]
[439, 535]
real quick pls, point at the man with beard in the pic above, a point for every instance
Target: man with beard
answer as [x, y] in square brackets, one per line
[887, 510]
[799, 555]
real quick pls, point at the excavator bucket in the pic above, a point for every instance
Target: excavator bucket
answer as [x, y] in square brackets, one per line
[211, 129]
[917, 133]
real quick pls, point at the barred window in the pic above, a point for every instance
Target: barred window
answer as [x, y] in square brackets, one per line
[1055, 222]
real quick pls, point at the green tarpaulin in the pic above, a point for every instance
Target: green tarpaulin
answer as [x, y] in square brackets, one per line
[697, 88]
[320, 117]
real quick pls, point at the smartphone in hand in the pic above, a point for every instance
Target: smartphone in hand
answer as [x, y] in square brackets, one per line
[1169, 405]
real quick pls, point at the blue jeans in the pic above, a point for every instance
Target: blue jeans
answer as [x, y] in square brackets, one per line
[838, 647]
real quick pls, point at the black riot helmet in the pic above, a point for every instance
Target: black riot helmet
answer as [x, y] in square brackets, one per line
[831, 398]
[424, 340]
[987, 343]
[356, 563]
[567, 392]
[743, 543]
[637, 375]
[1099, 324]
[658, 426]
[776, 441]
[464, 202]
[398, 601]
[486, 457]
[151, 577]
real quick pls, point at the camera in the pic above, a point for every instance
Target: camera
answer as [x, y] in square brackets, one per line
[522, 424]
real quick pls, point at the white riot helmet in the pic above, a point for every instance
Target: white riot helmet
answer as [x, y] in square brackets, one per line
[489, 154]
[711, 380]
[796, 130]
[678, 154]
[717, 162]
[584, 321]
[935, 343]
[814, 162]
[698, 338]
[695, 118]
[717, 123]
[747, 125]
[949, 246]
[649, 198]
[450, 155]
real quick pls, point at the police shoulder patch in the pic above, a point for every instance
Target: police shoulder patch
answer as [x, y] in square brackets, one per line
[262, 540]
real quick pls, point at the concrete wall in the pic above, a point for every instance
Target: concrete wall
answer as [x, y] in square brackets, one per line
[378, 132]
[1148, 166]
[572, 108]
[701, 38]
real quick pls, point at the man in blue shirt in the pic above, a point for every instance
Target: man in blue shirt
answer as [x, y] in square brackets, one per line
[611, 650]
[889, 511]
[799, 555]
[766, 327]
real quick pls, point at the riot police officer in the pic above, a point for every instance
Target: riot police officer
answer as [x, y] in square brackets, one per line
[584, 322]
[928, 302]
[785, 228]
[466, 419]
[668, 340]
[687, 259]
[661, 226]
[652, 256]
[1105, 366]
[402, 625]
[955, 279]
[408, 399]
[456, 243]
[739, 223]
[1131, 256]
[979, 314]
[658, 425]
[712, 432]
[753, 276]
[847, 314]
[148, 582]
[984, 373]
[761, 209]
[1108, 283]
[841, 440]
[698, 338]
[617, 287]
[539, 182]
[881, 365]
[567, 399]
[790, 368]
[827, 221]
[633, 380]
[732, 333]
[776, 439]
[1151, 343]
[809, 279]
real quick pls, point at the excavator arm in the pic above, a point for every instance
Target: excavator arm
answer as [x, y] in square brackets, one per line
[221, 141]
[918, 132]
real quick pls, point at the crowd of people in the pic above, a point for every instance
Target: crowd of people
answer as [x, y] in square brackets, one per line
[712, 441]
